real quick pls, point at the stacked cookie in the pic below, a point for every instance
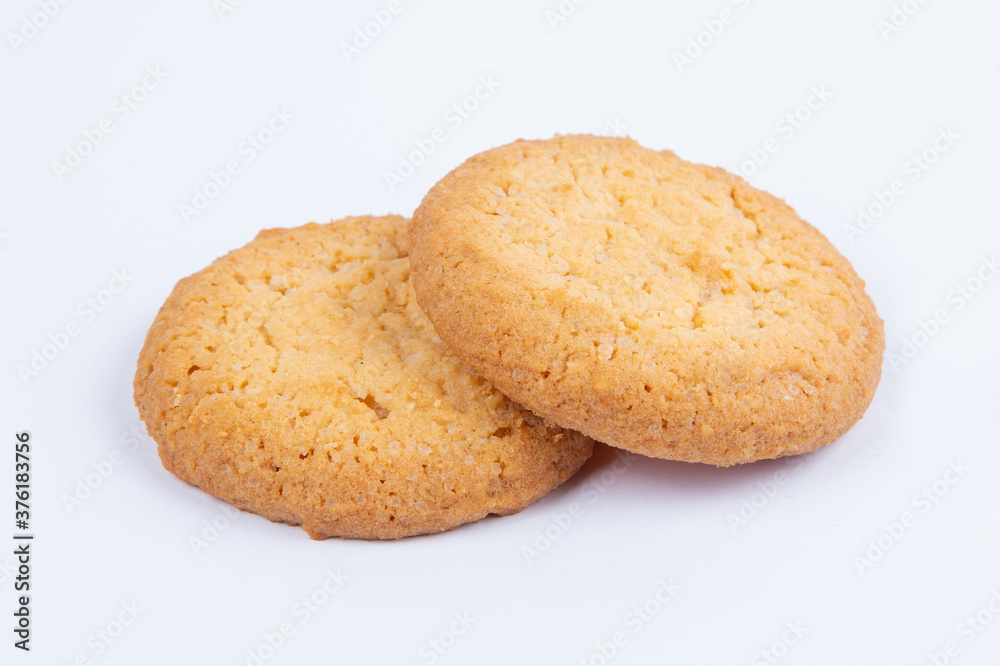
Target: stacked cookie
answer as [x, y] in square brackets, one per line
[365, 381]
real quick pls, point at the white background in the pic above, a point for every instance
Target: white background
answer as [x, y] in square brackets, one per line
[794, 560]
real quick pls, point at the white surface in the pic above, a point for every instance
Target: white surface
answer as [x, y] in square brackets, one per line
[609, 62]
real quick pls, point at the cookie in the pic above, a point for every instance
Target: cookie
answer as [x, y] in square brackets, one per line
[297, 378]
[663, 307]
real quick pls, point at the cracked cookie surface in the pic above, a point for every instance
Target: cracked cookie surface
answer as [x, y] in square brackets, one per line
[663, 307]
[297, 378]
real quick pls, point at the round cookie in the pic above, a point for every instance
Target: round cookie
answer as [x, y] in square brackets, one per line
[660, 306]
[297, 378]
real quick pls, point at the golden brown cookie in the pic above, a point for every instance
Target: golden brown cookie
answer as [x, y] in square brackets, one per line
[297, 378]
[660, 306]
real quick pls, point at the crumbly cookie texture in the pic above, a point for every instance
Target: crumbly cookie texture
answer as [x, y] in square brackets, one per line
[297, 378]
[663, 307]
